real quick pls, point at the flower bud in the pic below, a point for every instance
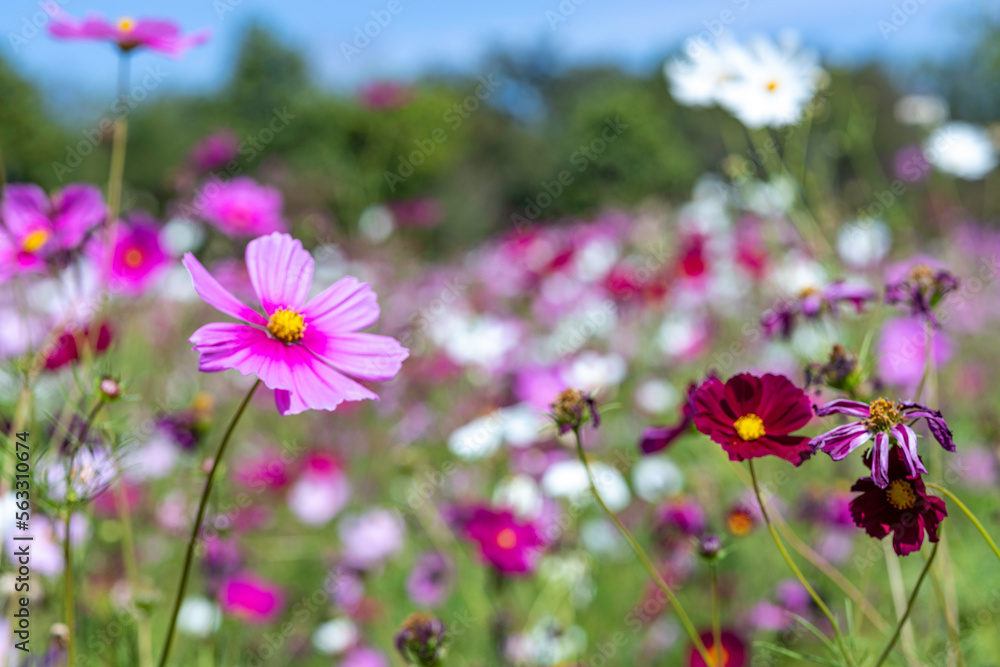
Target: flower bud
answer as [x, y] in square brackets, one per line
[709, 546]
[109, 388]
[421, 640]
[572, 408]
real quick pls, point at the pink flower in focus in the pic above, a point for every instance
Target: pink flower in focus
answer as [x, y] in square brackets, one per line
[215, 150]
[36, 227]
[154, 34]
[505, 543]
[254, 600]
[303, 350]
[138, 258]
[241, 207]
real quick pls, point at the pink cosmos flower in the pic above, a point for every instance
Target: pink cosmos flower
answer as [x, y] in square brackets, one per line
[155, 34]
[301, 349]
[902, 350]
[36, 227]
[139, 257]
[241, 207]
[254, 600]
[215, 150]
[510, 546]
[385, 95]
[322, 490]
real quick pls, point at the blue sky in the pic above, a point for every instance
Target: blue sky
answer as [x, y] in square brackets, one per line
[432, 34]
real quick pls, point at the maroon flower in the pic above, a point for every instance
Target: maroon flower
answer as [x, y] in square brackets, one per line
[508, 545]
[754, 416]
[658, 438]
[901, 506]
[732, 651]
[881, 420]
[66, 348]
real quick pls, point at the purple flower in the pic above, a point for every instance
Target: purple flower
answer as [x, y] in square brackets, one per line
[512, 547]
[903, 351]
[658, 438]
[920, 285]
[882, 421]
[430, 580]
[681, 515]
[241, 207]
[154, 34]
[215, 150]
[138, 258]
[811, 303]
[35, 227]
[385, 95]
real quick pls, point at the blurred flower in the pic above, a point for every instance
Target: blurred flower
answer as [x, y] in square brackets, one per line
[881, 420]
[658, 438]
[370, 538]
[254, 600]
[900, 505]
[138, 258]
[961, 149]
[976, 467]
[927, 110]
[423, 213]
[863, 242]
[731, 653]
[422, 640]
[682, 515]
[921, 287]
[363, 656]
[321, 491]
[268, 470]
[572, 409]
[811, 303]
[656, 478]
[568, 479]
[80, 477]
[385, 95]
[903, 350]
[215, 150]
[838, 372]
[300, 349]
[911, 165]
[241, 207]
[335, 636]
[698, 81]
[709, 546]
[66, 348]
[155, 34]
[742, 518]
[35, 227]
[512, 547]
[198, 617]
[430, 580]
[727, 413]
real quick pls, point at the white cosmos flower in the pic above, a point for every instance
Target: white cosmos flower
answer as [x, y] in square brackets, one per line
[864, 242]
[773, 83]
[335, 636]
[198, 617]
[698, 79]
[568, 479]
[961, 149]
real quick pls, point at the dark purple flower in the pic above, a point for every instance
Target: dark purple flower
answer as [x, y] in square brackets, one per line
[883, 421]
[422, 640]
[811, 303]
[901, 506]
[658, 438]
[921, 288]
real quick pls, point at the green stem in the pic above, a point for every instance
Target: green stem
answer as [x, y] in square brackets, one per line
[716, 616]
[968, 513]
[202, 504]
[68, 589]
[646, 562]
[909, 608]
[795, 569]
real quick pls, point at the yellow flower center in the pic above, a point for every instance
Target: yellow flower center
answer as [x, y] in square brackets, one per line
[126, 24]
[133, 258]
[900, 494]
[739, 523]
[286, 325]
[922, 275]
[749, 427]
[772, 86]
[716, 660]
[35, 240]
[884, 415]
[506, 538]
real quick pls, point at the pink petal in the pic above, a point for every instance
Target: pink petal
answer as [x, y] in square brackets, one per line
[846, 407]
[362, 355]
[239, 346]
[217, 296]
[24, 209]
[315, 385]
[347, 305]
[281, 271]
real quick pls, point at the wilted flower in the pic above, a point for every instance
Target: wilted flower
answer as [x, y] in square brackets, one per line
[302, 348]
[921, 289]
[155, 34]
[899, 506]
[422, 640]
[881, 420]
[572, 409]
[754, 416]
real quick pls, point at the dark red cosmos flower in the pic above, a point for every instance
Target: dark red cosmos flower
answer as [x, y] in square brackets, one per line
[732, 651]
[66, 348]
[754, 416]
[658, 438]
[902, 507]
[505, 543]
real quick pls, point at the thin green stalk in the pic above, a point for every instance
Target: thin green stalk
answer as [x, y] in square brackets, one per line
[646, 562]
[716, 615]
[68, 591]
[145, 634]
[202, 504]
[909, 608]
[968, 513]
[795, 569]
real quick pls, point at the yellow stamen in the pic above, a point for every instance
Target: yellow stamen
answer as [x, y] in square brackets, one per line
[133, 258]
[901, 495]
[35, 240]
[749, 427]
[126, 24]
[506, 538]
[772, 86]
[884, 415]
[713, 654]
[286, 325]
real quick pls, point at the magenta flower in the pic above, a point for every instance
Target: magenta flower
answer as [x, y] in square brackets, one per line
[505, 543]
[303, 350]
[154, 34]
[215, 150]
[919, 284]
[881, 420]
[657, 438]
[385, 95]
[138, 258]
[35, 227]
[241, 207]
[254, 600]
[66, 349]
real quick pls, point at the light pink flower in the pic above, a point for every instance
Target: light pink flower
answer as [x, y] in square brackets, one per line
[241, 207]
[154, 34]
[303, 350]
